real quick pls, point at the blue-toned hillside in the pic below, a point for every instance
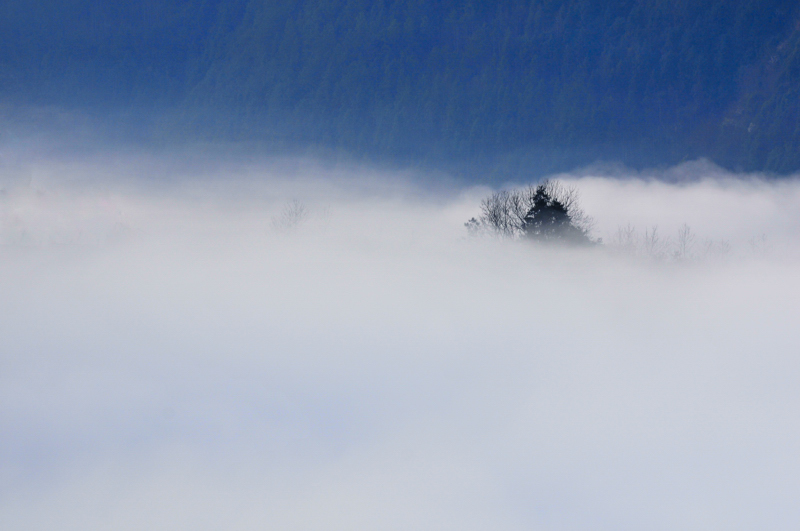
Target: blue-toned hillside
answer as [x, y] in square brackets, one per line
[645, 82]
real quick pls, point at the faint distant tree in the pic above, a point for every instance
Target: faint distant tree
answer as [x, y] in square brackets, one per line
[626, 239]
[292, 215]
[759, 245]
[685, 242]
[475, 227]
[715, 249]
[654, 246]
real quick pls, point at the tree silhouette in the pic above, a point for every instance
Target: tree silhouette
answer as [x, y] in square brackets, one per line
[547, 212]
[549, 219]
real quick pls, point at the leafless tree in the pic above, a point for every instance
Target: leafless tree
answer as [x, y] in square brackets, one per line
[292, 215]
[685, 242]
[715, 249]
[625, 239]
[654, 245]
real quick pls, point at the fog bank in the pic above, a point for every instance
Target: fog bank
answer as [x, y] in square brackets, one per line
[290, 346]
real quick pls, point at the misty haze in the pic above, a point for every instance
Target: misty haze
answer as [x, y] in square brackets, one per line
[299, 346]
[357, 265]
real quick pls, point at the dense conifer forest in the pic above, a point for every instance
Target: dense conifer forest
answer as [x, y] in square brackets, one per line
[641, 81]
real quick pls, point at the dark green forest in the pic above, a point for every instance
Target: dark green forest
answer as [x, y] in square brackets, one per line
[644, 82]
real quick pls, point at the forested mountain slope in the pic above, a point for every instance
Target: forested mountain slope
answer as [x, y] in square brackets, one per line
[649, 80]
[761, 127]
[82, 53]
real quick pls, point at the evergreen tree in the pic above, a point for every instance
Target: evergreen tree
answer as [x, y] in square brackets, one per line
[549, 220]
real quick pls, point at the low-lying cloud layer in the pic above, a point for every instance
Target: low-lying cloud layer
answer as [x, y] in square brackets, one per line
[284, 346]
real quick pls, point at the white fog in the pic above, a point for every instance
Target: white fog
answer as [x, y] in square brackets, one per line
[192, 344]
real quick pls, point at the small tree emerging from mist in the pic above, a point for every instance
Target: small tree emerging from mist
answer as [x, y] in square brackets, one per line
[685, 242]
[654, 245]
[550, 218]
[546, 212]
[292, 215]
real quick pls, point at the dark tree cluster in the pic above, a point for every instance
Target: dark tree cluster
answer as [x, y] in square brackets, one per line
[548, 213]
[549, 220]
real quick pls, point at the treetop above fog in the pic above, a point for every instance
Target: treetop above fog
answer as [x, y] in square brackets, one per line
[547, 213]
